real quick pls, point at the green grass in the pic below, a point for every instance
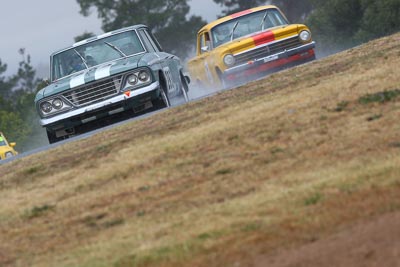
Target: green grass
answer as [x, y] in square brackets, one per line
[380, 97]
[38, 211]
[313, 199]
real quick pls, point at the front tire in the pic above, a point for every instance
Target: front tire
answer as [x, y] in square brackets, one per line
[184, 88]
[224, 83]
[163, 100]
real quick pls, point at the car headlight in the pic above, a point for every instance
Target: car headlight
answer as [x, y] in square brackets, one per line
[144, 76]
[132, 79]
[57, 104]
[46, 107]
[52, 106]
[137, 79]
[229, 60]
[305, 36]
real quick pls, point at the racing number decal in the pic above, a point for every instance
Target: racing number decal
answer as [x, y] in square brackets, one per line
[168, 77]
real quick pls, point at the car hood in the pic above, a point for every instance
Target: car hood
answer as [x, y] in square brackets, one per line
[260, 38]
[90, 75]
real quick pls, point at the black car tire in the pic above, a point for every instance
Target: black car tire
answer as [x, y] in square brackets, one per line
[165, 98]
[184, 88]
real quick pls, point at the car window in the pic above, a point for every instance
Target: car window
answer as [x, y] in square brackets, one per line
[245, 25]
[150, 47]
[154, 40]
[95, 53]
[205, 42]
[149, 41]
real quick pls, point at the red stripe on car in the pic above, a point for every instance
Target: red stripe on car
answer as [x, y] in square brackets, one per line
[263, 38]
[239, 14]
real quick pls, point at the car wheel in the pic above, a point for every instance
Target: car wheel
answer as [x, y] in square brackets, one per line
[9, 155]
[163, 92]
[223, 81]
[184, 88]
[165, 98]
[163, 101]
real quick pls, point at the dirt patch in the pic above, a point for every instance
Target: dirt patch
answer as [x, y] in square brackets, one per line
[374, 243]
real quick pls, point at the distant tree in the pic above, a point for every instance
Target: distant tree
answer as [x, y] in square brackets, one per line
[339, 24]
[379, 18]
[13, 126]
[168, 19]
[83, 36]
[6, 84]
[4, 105]
[18, 118]
[233, 6]
[295, 10]
[26, 74]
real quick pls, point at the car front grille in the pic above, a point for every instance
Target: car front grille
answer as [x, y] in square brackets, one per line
[268, 50]
[94, 92]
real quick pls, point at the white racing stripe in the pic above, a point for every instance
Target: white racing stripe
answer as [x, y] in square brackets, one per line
[102, 72]
[77, 80]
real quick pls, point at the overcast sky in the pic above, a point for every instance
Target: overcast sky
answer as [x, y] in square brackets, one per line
[44, 26]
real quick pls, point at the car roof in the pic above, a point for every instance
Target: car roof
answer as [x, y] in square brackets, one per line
[103, 35]
[235, 15]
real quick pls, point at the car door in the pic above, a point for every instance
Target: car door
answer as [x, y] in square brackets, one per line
[201, 66]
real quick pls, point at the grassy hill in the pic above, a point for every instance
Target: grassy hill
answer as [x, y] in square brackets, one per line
[230, 180]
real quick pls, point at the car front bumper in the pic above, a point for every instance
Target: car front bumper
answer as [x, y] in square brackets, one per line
[111, 106]
[265, 64]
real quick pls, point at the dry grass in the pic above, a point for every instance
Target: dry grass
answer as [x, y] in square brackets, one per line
[281, 161]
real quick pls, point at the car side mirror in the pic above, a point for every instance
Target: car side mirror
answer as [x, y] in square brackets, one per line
[205, 49]
[13, 144]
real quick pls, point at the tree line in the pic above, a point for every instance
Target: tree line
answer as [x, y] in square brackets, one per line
[18, 119]
[335, 24]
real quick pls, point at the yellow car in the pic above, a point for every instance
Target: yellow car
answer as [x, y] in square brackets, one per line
[6, 149]
[247, 45]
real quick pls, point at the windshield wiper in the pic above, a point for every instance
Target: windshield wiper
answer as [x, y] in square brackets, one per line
[233, 29]
[263, 20]
[115, 48]
[82, 58]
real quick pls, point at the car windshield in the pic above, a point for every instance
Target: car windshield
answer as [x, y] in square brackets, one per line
[95, 53]
[2, 141]
[245, 25]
